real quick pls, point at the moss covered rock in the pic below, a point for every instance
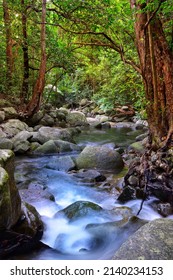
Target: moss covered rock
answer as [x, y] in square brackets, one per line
[153, 241]
[100, 157]
[10, 202]
[79, 209]
[76, 118]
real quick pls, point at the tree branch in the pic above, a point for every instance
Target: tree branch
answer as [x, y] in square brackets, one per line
[153, 14]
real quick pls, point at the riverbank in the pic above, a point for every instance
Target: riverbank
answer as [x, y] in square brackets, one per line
[70, 149]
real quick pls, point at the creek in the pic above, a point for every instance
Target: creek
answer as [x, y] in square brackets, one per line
[94, 234]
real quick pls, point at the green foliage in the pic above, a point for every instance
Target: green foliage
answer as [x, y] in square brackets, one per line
[90, 49]
[119, 84]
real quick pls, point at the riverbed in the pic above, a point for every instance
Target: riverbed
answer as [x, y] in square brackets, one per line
[93, 234]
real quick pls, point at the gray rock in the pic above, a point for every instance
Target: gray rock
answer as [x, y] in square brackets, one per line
[65, 146]
[128, 193]
[10, 113]
[35, 192]
[79, 209]
[93, 122]
[47, 120]
[102, 119]
[2, 116]
[14, 126]
[36, 118]
[64, 163]
[153, 241]
[90, 176]
[133, 180]
[140, 124]
[165, 209]
[46, 133]
[6, 143]
[22, 136]
[76, 118]
[60, 115]
[47, 148]
[34, 146]
[63, 110]
[100, 157]
[124, 124]
[21, 147]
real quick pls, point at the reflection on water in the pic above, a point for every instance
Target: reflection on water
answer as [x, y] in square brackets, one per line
[122, 136]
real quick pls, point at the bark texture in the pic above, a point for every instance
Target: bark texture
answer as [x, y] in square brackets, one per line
[24, 91]
[156, 61]
[34, 104]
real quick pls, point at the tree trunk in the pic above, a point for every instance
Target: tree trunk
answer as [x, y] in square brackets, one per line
[9, 45]
[154, 169]
[24, 91]
[34, 104]
[156, 61]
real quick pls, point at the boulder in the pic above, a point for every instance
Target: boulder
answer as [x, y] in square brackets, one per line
[22, 136]
[34, 146]
[31, 222]
[140, 124]
[21, 142]
[46, 133]
[10, 113]
[36, 118]
[127, 194]
[10, 202]
[64, 163]
[47, 148]
[102, 118]
[47, 120]
[76, 118]
[79, 209]
[94, 122]
[14, 126]
[20, 225]
[100, 157]
[21, 146]
[34, 192]
[6, 143]
[90, 176]
[153, 241]
[65, 146]
[165, 209]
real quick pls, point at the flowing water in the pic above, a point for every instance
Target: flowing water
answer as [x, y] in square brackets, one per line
[94, 234]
